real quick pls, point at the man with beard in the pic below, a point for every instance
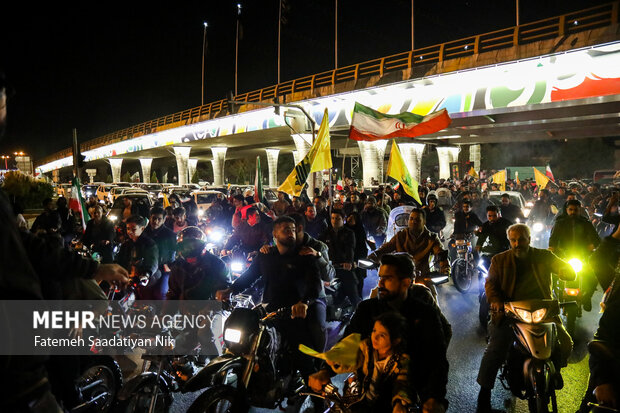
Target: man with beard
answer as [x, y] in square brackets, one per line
[521, 273]
[165, 239]
[573, 236]
[492, 237]
[290, 280]
[419, 242]
[426, 336]
[510, 211]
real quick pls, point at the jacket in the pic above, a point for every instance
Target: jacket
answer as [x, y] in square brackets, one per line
[249, 238]
[374, 221]
[420, 248]
[288, 278]
[502, 277]
[494, 235]
[573, 235]
[166, 241]
[197, 282]
[465, 223]
[341, 245]
[142, 254]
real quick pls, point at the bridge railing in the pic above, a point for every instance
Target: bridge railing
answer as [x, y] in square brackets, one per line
[588, 19]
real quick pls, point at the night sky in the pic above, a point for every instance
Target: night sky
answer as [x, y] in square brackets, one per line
[100, 67]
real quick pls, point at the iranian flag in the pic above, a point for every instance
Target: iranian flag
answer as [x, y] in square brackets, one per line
[549, 173]
[77, 204]
[258, 182]
[369, 125]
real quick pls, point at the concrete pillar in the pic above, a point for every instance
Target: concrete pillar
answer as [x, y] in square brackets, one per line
[182, 155]
[192, 163]
[219, 158]
[475, 156]
[303, 142]
[272, 163]
[115, 164]
[446, 155]
[91, 175]
[373, 154]
[56, 175]
[145, 163]
[412, 154]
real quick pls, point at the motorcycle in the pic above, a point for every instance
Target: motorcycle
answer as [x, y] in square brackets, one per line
[540, 235]
[254, 371]
[350, 400]
[529, 371]
[463, 268]
[572, 291]
[483, 273]
[338, 309]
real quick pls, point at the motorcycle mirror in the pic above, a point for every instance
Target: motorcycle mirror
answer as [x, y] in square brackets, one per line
[366, 264]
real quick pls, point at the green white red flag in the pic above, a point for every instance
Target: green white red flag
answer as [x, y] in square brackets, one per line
[77, 204]
[369, 125]
[258, 182]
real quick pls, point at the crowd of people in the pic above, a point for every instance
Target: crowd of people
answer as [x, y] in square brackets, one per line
[302, 244]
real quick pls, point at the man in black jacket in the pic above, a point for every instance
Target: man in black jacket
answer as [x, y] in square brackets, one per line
[510, 211]
[139, 255]
[426, 338]
[435, 218]
[291, 280]
[492, 238]
[374, 221]
[341, 243]
[165, 239]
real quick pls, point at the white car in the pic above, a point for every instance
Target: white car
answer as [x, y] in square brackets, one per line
[516, 198]
[121, 190]
[204, 199]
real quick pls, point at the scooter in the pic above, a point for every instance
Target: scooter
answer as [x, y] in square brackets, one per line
[529, 371]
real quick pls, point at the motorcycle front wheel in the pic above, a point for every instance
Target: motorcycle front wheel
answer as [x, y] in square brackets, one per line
[462, 275]
[220, 399]
[107, 372]
[142, 396]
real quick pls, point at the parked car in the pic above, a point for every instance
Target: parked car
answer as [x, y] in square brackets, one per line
[204, 199]
[191, 187]
[64, 190]
[121, 190]
[90, 189]
[155, 189]
[103, 192]
[141, 199]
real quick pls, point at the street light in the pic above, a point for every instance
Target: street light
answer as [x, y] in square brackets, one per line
[237, 45]
[204, 51]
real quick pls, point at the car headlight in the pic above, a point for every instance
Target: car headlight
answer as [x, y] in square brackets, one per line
[529, 204]
[113, 218]
[524, 315]
[517, 220]
[538, 227]
[576, 264]
[236, 266]
[538, 315]
[232, 335]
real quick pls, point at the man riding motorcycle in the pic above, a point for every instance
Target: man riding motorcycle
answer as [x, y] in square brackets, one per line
[419, 242]
[521, 273]
[435, 218]
[573, 235]
[251, 234]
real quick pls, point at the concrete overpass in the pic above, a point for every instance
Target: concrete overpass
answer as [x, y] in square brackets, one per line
[557, 78]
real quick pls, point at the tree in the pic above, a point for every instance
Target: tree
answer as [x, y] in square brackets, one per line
[126, 177]
[25, 190]
[108, 179]
[154, 179]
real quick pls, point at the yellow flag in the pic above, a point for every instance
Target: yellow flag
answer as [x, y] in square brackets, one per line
[541, 180]
[166, 202]
[517, 177]
[344, 353]
[500, 179]
[398, 170]
[317, 159]
[472, 172]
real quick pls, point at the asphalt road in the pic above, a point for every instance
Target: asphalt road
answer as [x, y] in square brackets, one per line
[465, 352]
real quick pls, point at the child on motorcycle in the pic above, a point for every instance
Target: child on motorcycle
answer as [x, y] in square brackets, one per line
[380, 381]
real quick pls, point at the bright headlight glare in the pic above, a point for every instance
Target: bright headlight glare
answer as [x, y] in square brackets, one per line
[524, 315]
[113, 218]
[201, 212]
[529, 204]
[538, 227]
[538, 315]
[526, 212]
[216, 236]
[232, 335]
[576, 264]
[236, 266]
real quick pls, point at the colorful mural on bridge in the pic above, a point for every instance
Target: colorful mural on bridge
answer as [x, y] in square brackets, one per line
[578, 74]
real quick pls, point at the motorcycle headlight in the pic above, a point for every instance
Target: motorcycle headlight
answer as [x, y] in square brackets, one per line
[524, 315]
[236, 266]
[216, 236]
[232, 335]
[113, 218]
[538, 315]
[518, 220]
[576, 264]
[538, 227]
[526, 212]
[201, 212]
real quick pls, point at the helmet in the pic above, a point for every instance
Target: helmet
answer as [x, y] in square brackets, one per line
[191, 242]
[431, 197]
